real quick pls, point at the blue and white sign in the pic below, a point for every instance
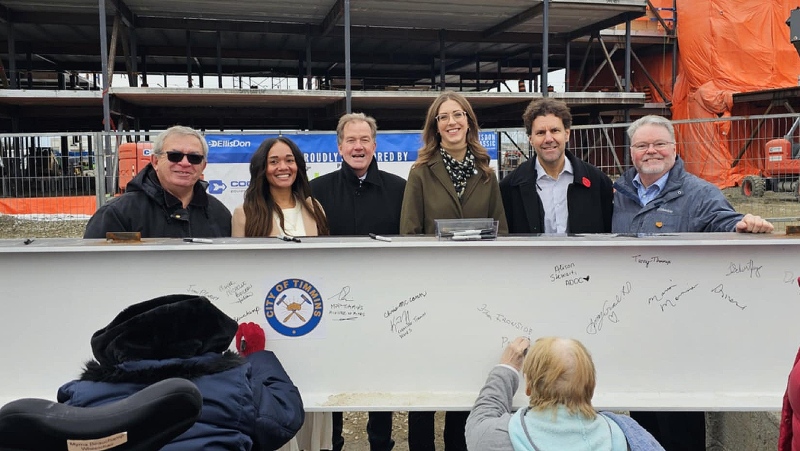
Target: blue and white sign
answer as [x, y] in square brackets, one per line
[228, 170]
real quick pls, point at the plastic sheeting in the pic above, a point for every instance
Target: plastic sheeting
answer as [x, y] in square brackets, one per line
[727, 47]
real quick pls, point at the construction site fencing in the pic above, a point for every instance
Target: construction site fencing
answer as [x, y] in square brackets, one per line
[755, 160]
[58, 176]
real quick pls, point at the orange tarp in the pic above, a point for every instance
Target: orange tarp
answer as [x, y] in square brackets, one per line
[76, 205]
[727, 47]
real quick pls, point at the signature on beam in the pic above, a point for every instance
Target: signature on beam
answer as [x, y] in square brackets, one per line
[596, 323]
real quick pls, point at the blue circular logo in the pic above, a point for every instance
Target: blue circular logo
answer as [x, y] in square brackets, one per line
[293, 307]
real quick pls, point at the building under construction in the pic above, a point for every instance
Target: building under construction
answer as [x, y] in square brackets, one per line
[388, 59]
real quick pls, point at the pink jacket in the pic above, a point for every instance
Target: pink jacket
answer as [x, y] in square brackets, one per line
[790, 421]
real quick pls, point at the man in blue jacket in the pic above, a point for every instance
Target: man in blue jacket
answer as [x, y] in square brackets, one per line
[658, 196]
[360, 199]
[555, 192]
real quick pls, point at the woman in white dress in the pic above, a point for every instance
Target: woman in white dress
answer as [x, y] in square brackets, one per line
[279, 201]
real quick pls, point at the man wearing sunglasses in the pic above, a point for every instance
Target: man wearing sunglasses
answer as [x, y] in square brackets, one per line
[167, 198]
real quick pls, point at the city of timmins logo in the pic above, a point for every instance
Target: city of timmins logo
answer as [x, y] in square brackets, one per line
[293, 307]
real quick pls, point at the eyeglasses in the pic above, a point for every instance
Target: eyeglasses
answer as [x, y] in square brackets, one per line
[658, 145]
[457, 115]
[176, 157]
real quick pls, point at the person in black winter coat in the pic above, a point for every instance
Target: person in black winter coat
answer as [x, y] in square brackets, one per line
[360, 199]
[167, 199]
[555, 192]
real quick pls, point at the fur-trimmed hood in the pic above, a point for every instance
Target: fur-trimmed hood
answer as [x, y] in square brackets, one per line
[151, 371]
[177, 326]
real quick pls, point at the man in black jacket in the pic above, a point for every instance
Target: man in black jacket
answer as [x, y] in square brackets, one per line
[167, 199]
[360, 199]
[555, 192]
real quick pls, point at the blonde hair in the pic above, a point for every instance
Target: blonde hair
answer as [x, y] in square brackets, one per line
[560, 371]
[431, 141]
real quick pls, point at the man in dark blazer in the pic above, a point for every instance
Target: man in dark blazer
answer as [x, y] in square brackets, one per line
[359, 199]
[555, 192]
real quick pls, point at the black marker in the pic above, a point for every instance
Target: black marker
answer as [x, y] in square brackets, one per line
[380, 238]
[198, 240]
[283, 237]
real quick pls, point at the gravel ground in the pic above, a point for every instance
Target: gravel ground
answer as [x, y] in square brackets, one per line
[11, 227]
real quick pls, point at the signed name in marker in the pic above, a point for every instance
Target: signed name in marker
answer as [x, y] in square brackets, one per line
[749, 269]
[401, 323]
[608, 311]
[343, 307]
[253, 311]
[568, 274]
[502, 318]
[669, 296]
[404, 303]
[646, 261]
[194, 289]
[720, 290]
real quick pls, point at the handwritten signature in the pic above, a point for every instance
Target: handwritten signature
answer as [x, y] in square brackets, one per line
[343, 294]
[501, 318]
[646, 261]
[247, 313]
[202, 292]
[596, 323]
[720, 290]
[346, 309]
[663, 301]
[485, 311]
[749, 267]
[401, 323]
[404, 303]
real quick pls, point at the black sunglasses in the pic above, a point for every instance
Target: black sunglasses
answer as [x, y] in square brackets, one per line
[176, 157]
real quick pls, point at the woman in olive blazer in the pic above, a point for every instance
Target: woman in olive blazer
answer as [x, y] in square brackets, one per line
[450, 133]
[451, 179]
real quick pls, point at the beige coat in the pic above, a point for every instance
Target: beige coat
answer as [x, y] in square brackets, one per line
[239, 219]
[430, 195]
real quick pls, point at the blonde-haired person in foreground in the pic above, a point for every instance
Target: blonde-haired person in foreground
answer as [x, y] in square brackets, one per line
[559, 380]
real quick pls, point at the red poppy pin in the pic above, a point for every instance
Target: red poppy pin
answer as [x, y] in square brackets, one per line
[586, 182]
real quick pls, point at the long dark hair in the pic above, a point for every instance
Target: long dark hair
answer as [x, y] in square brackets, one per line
[259, 206]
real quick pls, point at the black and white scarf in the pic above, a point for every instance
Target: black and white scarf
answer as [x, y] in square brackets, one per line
[459, 171]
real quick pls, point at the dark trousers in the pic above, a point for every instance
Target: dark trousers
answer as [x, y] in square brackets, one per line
[379, 431]
[676, 431]
[421, 436]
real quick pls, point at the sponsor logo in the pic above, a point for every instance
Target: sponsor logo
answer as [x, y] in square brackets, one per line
[213, 143]
[216, 186]
[293, 307]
